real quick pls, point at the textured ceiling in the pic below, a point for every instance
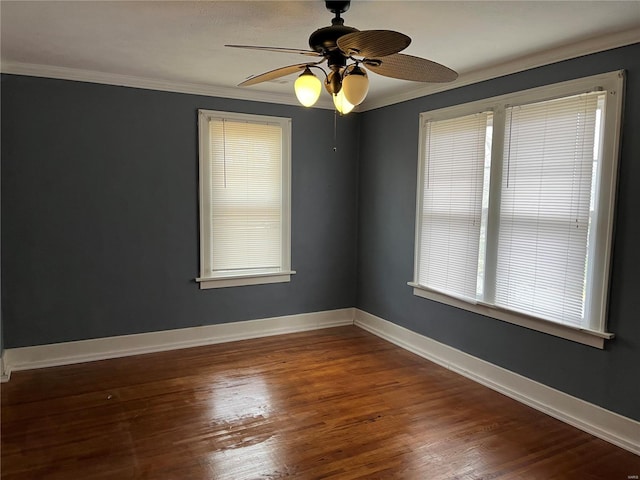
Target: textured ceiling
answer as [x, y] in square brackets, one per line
[183, 42]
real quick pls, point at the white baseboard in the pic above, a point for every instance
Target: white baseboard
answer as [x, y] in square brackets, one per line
[609, 426]
[67, 353]
[4, 377]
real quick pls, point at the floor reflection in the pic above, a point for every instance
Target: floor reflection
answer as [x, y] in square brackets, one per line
[246, 445]
[237, 397]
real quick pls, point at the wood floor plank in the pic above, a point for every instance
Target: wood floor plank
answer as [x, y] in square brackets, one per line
[337, 403]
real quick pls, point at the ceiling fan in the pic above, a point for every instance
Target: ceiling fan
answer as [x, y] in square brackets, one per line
[349, 52]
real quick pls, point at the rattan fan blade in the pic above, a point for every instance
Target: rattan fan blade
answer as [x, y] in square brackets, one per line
[408, 67]
[310, 53]
[373, 43]
[273, 74]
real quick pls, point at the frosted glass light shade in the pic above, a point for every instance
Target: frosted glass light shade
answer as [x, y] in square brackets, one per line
[307, 88]
[355, 86]
[342, 104]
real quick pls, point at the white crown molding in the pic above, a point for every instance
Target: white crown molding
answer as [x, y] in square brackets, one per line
[547, 57]
[92, 76]
[67, 353]
[597, 421]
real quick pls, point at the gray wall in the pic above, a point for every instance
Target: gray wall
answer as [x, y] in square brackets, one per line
[388, 165]
[100, 213]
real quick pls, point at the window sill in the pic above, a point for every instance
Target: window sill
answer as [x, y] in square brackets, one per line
[244, 279]
[587, 337]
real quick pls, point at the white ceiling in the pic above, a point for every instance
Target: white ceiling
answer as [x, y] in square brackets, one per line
[180, 45]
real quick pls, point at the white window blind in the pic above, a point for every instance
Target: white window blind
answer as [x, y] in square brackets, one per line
[453, 177]
[546, 207]
[245, 167]
[245, 191]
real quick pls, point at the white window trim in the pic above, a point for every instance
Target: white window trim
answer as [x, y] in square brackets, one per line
[613, 84]
[244, 277]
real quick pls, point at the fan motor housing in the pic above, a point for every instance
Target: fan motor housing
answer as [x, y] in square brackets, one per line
[325, 39]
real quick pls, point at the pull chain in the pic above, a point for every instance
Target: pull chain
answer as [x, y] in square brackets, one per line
[335, 130]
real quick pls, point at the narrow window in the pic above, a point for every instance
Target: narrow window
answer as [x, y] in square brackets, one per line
[545, 210]
[453, 179]
[244, 199]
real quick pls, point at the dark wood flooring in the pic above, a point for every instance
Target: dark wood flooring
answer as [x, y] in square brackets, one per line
[338, 403]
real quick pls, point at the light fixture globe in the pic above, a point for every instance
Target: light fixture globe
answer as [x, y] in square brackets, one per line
[307, 88]
[355, 85]
[342, 104]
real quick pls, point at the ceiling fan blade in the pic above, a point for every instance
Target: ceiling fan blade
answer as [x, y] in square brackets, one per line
[273, 74]
[278, 50]
[373, 43]
[408, 67]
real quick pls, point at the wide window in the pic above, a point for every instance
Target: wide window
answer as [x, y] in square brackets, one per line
[244, 199]
[515, 206]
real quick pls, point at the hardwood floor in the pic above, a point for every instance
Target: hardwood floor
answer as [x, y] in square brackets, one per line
[338, 403]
